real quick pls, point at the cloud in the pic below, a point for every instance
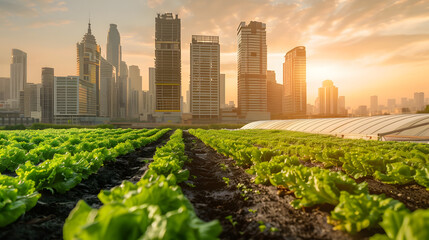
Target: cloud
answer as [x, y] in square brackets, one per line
[154, 3]
[49, 23]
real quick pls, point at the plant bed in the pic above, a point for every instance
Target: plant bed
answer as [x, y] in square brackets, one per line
[46, 219]
[220, 190]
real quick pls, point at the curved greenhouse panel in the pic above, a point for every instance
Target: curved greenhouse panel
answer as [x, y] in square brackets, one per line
[386, 127]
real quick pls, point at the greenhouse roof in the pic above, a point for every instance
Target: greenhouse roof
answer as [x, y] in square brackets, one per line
[388, 127]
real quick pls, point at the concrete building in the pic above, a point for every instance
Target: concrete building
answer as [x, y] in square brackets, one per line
[168, 76]
[419, 101]
[32, 106]
[47, 95]
[342, 105]
[135, 91]
[374, 105]
[391, 105]
[113, 48]
[294, 82]
[328, 99]
[205, 76]
[123, 90]
[108, 90]
[88, 64]
[252, 71]
[151, 95]
[222, 91]
[274, 94]
[18, 73]
[4, 89]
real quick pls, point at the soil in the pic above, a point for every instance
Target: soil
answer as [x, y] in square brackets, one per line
[213, 191]
[46, 219]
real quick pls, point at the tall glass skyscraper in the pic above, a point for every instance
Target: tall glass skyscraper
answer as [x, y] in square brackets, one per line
[294, 82]
[18, 73]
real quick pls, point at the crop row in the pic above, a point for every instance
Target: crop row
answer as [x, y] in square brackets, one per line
[355, 209]
[62, 172]
[153, 208]
[388, 162]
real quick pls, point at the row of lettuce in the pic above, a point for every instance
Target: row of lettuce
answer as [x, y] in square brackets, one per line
[153, 208]
[280, 165]
[65, 169]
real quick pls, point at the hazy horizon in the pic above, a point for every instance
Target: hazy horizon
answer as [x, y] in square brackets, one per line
[365, 47]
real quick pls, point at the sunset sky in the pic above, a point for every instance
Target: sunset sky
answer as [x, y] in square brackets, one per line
[366, 47]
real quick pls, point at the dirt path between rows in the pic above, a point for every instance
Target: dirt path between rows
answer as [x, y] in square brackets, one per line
[261, 206]
[46, 219]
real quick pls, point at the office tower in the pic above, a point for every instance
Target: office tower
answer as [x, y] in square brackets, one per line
[294, 82]
[168, 67]
[18, 73]
[205, 74]
[108, 96]
[328, 99]
[4, 88]
[222, 91]
[151, 95]
[404, 102]
[123, 90]
[113, 48]
[32, 100]
[342, 105]
[374, 105]
[88, 64]
[252, 70]
[391, 105]
[47, 95]
[419, 100]
[73, 97]
[134, 89]
[274, 94]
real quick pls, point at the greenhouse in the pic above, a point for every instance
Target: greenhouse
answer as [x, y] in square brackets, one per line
[409, 127]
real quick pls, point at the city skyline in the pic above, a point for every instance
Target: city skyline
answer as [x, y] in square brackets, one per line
[361, 54]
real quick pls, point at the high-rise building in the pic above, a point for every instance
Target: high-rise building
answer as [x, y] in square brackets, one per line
[47, 95]
[168, 67]
[252, 70]
[113, 48]
[274, 94]
[4, 88]
[328, 99]
[391, 105]
[123, 90]
[108, 98]
[32, 100]
[88, 64]
[205, 74]
[134, 90]
[151, 95]
[222, 91]
[342, 105]
[18, 73]
[73, 97]
[374, 105]
[294, 82]
[419, 100]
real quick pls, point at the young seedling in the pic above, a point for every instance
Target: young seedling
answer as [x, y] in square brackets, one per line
[252, 210]
[226, 180]
[229, 218]
[190, 184]
[262, 226]
[273, 229]
[223, 166]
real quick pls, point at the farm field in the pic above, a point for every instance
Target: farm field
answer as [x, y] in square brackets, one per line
[208, 184]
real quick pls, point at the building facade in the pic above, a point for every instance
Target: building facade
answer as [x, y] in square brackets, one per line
[252, 70]
[205, 76]
[135, 91]
[294, 82]
[222, 91]
[88, 64]
[47, 95]
[168, 78]
[374, 105]
[274, 94]
[108, 98]
[113, 48]
[18, 73]
[4, 89]
[328, 99]
[419, 100]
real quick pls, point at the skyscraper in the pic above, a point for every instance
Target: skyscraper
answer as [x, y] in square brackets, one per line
[168, 67]
[4, 88]
[32, 100]
[123, 90]
[151, 95]
[328, 99]
[47, 95]
[205, 73]
[274, 94]
[134, 90]
[294, 82]
[108, 98]
[252, 70]
[88, 64]
[222, 91]
[18, 73]
[342, 105]
[374, 105]
[419, 100]
[113, 48]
